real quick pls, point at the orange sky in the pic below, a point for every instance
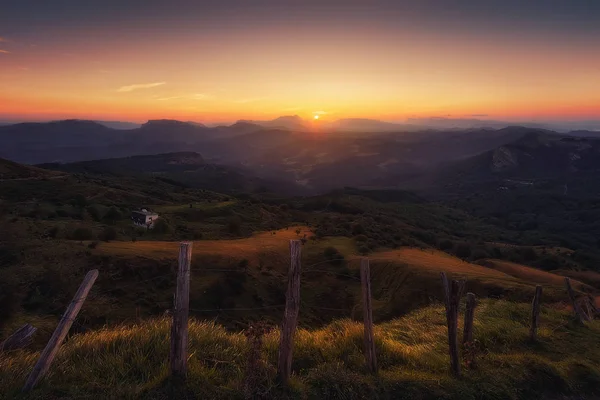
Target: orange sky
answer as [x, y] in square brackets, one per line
[265, 70]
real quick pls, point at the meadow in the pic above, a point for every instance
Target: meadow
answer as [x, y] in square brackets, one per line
[130, 361]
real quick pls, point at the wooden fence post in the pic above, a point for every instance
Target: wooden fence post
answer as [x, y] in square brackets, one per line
[19, 339]
[290, 317]
[365, 278]
[179, 328]
[452, 294]
[469, 315]
[578, 313]
[51, 349]
[535, 313]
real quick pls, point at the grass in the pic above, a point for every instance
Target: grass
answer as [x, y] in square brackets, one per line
[131, 361]
[196, 206]
[530, 274]
[248, 248]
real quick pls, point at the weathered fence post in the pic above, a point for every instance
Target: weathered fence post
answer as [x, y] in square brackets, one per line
[179, 328]
[578, 313]
[19, 339]
[469, 315]
[365, 278]
[290, 317]
[51, 349]
[452, 294]
[535, 313]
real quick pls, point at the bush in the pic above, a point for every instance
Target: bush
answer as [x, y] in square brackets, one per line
[82, 233]
[109, 233]
[93, 244]
[445, 244]
[479, 254]
[462, 250]
[160, 226]
[94, 212]
[234, 225]
[53, 232]
[361, 238]
[113, 215]
[333, 255]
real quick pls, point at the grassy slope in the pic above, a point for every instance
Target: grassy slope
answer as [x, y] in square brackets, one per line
[131, 361]
[403, 279]
[238, 248]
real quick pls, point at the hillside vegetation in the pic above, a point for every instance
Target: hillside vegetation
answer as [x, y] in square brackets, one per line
[131, 361]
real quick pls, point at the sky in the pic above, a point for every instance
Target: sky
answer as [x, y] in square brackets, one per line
[225, 60]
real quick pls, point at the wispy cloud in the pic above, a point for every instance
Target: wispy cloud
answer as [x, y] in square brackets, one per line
[292, 109]
[3, 39]
[130, 88]
[4, 51]
[201, 96]
[250, 100]
[169, 98]
[195, 96]
[320, 112]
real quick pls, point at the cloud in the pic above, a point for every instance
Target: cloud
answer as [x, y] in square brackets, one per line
[250, 100]
[320, 112]
[195, 96]
[169, 98]
[292, 109]
[3, 39]
[201, 96]
[4, 51]
[479, 115]
[137, 86]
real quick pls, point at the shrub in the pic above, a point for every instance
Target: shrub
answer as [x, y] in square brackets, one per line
[113, 215]
[109, 233]
[234, 225]
[478, 254]
[462, 250]
[93, 244]
[82, 233]
[53, 232]
[94, 212]
[361, 238]
[333, 255]
[445, 244]
[160, 226]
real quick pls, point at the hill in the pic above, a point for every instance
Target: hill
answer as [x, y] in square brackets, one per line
[183, 168]
[131, 361]
[13, 171]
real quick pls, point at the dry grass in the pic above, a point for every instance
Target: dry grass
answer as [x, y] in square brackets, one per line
[248, 248]
[530, 274]
[131, 361]
[438, 261]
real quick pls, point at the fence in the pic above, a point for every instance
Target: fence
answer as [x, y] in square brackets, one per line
[453, 290]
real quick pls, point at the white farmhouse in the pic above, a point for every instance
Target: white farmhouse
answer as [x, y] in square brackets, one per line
[144, 218]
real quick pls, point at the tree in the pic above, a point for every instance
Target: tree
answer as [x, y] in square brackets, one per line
[234, 225]
[94, 212]
[112, 215]
[160, 226]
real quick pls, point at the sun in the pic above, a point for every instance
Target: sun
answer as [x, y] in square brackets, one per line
[316, 117]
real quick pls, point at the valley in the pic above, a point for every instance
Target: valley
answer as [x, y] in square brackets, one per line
[479, 205]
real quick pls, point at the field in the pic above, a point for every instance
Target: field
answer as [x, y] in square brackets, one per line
[131, 361]
[249, 248]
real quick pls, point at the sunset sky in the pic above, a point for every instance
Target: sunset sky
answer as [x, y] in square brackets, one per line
[225, 60]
